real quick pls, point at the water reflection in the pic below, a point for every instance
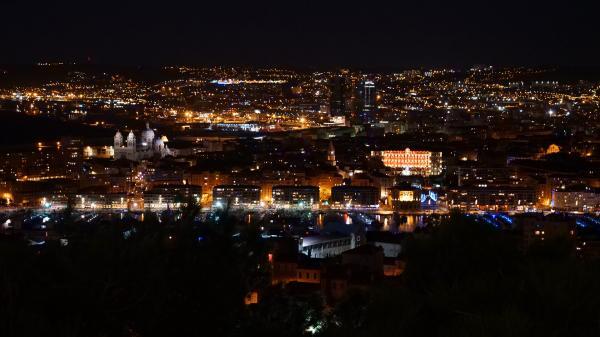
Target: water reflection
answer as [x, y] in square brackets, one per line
[401, 223]
[320, 220]
[377, 222]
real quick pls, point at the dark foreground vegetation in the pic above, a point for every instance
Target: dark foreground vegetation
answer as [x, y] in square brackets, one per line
[190, 278]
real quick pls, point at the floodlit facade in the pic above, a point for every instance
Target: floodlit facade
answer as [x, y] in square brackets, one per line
[402, 198]
[409, 162]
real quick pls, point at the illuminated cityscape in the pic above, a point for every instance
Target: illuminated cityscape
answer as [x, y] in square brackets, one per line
[400, 177]
[502, 146]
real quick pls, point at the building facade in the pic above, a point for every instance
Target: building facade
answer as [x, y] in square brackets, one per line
[494, 199]
[147, 147]
[404, 198]
[355, 196]
[298, 196]
[409, 162]
[582, 200]
[236, 195]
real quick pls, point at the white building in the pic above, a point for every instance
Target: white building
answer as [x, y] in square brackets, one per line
[147, 147]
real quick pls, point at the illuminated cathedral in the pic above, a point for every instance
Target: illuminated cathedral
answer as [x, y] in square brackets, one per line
[147, 147]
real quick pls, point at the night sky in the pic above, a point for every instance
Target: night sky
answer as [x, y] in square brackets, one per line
[372, 34]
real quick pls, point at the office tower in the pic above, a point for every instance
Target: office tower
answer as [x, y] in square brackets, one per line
[337, 101]
[367, 96]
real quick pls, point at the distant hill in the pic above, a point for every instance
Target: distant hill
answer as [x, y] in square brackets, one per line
[27, 130]
[26, 75]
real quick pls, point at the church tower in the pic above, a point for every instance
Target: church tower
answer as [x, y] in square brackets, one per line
[331, 154]
[118, 140]
[131, 140]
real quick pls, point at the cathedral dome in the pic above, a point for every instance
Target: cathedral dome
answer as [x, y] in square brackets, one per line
[147, 135]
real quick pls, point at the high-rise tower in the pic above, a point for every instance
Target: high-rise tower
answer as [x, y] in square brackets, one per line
[337, 101]
[368, 105]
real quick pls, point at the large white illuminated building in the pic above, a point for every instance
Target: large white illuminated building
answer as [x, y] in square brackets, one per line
[149, 146]
[410, 162]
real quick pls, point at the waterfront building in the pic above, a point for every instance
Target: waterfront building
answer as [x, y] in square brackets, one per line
[236, 195]
[298, 196]
[355, 196]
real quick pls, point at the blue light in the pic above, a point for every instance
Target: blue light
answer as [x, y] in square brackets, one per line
[506, 218]
[488, 221]
[433, 195]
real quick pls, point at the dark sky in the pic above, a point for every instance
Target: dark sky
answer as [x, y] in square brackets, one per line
[323, 33]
